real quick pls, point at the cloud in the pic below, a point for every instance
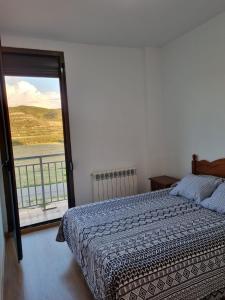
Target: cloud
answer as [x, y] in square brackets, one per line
[24, 93]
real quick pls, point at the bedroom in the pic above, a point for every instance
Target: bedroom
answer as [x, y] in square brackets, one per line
[146, 94]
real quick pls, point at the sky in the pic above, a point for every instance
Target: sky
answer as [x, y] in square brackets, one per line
[32, 91]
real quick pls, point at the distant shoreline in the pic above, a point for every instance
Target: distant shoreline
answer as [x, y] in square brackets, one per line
[37, 149]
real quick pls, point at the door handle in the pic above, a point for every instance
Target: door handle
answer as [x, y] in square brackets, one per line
[71, 166]
[6, 164]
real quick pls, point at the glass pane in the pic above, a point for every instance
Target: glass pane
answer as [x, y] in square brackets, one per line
[38, 147]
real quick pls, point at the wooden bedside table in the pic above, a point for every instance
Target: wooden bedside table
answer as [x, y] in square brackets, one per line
[162, 182]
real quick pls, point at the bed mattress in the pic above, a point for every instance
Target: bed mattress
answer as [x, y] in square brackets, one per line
[149, 246]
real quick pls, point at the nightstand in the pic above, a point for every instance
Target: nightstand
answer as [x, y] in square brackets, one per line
[162, 182]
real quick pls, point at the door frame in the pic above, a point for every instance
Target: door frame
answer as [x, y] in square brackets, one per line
[8, 170]
[65, 120]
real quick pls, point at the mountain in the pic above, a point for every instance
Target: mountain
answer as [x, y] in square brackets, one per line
[35, 125]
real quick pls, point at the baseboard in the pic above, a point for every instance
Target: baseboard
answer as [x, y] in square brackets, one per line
[2, 274]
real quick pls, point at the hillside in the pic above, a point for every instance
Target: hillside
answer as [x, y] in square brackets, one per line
[35, 125]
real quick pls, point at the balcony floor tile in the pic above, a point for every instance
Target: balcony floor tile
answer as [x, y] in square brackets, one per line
[55, 210]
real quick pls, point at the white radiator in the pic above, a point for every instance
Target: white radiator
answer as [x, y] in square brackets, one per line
[114, 183]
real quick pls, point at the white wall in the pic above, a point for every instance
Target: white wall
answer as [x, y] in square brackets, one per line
[2, 255]
[2, 240]
[106, 95]
[154, 112]
[193, 80]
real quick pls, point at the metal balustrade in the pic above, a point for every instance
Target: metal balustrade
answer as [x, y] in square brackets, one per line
[40, 180]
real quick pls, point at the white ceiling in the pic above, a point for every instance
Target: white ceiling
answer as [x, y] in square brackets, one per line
[108, 22]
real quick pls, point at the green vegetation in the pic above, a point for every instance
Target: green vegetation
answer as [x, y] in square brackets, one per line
[35, 125]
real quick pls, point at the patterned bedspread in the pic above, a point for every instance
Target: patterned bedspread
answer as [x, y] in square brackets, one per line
[149, 246]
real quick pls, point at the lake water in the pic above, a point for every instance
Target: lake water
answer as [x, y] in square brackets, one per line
[40, 149]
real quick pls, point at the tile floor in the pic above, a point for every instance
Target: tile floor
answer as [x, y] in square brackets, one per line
[34, 215]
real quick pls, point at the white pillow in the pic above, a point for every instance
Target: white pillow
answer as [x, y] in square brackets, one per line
[217, 200]
[196, 187]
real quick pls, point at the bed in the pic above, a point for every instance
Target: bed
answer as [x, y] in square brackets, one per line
[150, 246]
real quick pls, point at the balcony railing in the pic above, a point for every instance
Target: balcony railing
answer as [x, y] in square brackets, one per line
[40, 180]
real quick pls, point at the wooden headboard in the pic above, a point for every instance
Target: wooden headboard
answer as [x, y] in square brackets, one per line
[204, 167]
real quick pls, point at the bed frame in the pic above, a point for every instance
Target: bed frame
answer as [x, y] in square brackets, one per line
[204, 167]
